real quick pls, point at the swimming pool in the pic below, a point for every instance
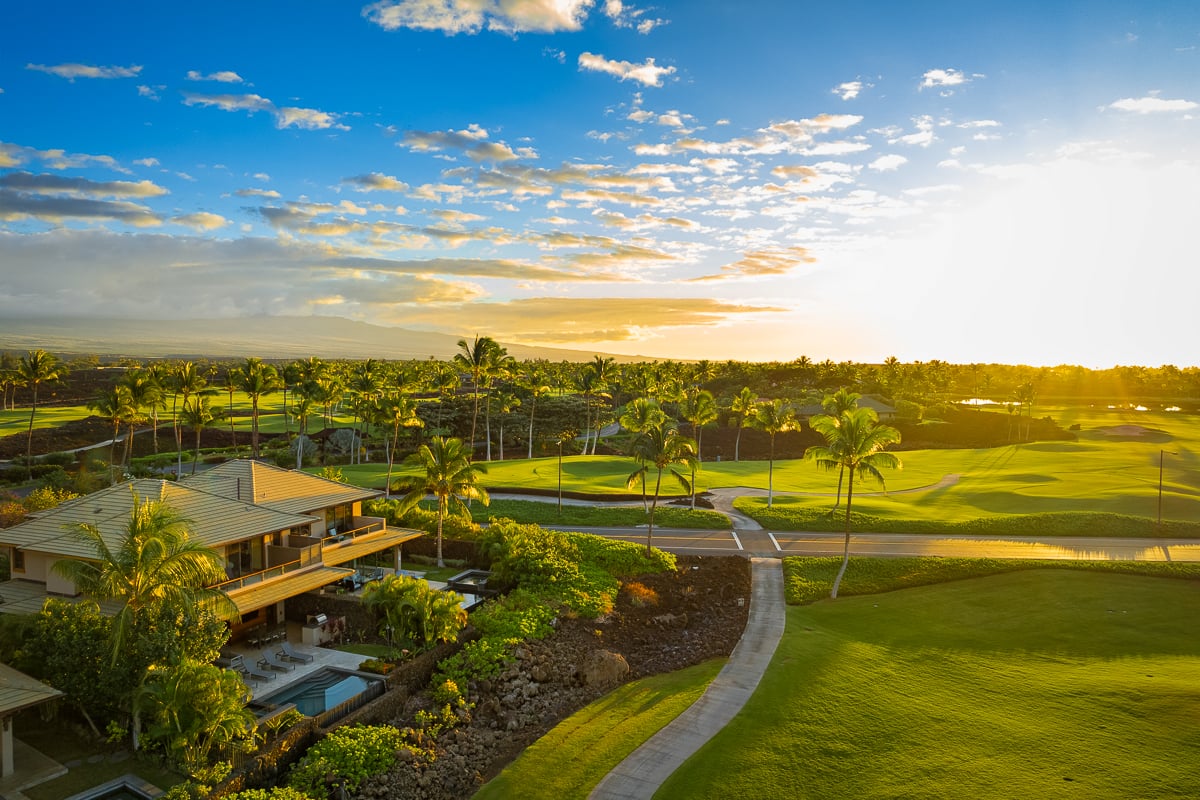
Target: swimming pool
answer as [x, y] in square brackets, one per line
[317, 693]
[126, 787]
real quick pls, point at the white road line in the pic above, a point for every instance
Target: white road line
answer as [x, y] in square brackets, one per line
[774, 542]
[736, 540]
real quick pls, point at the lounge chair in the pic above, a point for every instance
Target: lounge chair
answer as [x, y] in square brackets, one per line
[255, 675]
[271, 660]
[287, 651]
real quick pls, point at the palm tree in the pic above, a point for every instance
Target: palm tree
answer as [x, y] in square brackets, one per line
[35, 368]
[475, 358]
[233, 377]
[155, 564]
[144, 392]
[700, 409]
[533, 388]
[256, 379]
[743, 408]
[115, 405]
[835, 405]
[159, 374]
[773, 417]
[1024, 396]
[449, 474]
[185, 381]
[499, 365]
[398, 411]
[198, 416]
[854, 441]
[640, 415]
[662, 447]
[364, 386]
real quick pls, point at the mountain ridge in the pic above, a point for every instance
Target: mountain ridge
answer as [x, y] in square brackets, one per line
[276, 337]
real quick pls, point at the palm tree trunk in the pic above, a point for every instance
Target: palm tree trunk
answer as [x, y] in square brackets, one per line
[737, 444]
[846, 549]
[196, 458]
[653, 506]
[841, 474]
[441, 516]
[29, 441]
[771, 474]
[532, 410]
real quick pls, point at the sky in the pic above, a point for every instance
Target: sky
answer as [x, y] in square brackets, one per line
[1013, 182]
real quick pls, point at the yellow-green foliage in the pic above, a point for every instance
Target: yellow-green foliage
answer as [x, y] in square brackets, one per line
[350, 754]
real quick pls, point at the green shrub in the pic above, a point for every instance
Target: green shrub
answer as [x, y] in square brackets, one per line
[377, 666]
[276, 793]
[350, 755]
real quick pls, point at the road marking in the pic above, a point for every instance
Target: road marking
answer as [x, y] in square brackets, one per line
[774, 542]
[736, 540]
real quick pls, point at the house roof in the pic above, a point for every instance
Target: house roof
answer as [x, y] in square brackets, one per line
[19, 691]
[279, 489]
[215, 520]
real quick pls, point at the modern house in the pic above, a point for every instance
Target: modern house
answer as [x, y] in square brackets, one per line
[282, 533]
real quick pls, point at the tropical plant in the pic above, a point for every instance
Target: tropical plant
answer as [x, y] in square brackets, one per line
[411, 610]
[196, 711]
[661, 447]
[742, 409]
[398, 411]
[855, 442]
[448, 475]
[35, 368]
[700, 409]
[185, 381]
[256, 379]
[834, 405]
[144, 393]
[774, 417]
[640, 415]
[198, 416]
[154, 564]
[115, 405]
[475, 357]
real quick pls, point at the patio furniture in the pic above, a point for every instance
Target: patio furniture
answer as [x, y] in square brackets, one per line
[287, 651]
[272, 661]
[256, 675]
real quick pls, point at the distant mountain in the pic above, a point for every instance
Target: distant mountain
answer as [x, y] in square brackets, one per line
[265, 337]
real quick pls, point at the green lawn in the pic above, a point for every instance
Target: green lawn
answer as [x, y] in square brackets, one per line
[1045, 683]
[17, 421]
[570, 760]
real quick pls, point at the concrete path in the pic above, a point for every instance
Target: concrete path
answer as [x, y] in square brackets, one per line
[639, 775]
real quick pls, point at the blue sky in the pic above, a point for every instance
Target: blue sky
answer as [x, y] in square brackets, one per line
[973, 182]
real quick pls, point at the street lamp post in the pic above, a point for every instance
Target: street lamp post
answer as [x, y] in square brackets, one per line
[1161, 453]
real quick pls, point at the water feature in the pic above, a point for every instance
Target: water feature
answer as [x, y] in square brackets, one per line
[126, 787]
[317, 693]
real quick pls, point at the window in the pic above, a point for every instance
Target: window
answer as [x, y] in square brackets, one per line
[18, 561]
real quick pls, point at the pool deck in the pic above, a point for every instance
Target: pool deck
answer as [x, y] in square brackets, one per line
[322, 657]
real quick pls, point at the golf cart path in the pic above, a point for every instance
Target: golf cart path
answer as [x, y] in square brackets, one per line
[640, 775]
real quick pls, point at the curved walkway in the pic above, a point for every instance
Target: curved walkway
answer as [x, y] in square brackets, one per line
[644, 770]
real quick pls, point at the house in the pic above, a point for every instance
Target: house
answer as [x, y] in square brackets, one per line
[18, 692]
[281, 533]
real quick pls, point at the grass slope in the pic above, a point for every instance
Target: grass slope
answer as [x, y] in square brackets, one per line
[571, 759]
[1033, 684]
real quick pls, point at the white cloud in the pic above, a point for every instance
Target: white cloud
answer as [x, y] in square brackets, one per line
[224, 76]
[146, 162]
[148, 91]
[848, 90]
[473, 141]
[376, 182]
[888, 163]
[201, 221]
[923, 136]
[647, 73]
[73, 71]
[287, 117]
[943, 77]
[1152, 104]
[471, 16]
[624, 16]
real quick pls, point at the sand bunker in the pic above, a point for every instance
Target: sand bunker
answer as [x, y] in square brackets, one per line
[1129, 431]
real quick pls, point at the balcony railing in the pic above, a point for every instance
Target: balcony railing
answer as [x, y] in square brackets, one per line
[308, 556]
[372, 525]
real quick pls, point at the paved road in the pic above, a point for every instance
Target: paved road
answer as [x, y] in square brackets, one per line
[645, 769]
[770, 544]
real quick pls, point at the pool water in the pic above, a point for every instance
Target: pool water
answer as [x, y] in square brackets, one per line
[318, 692]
